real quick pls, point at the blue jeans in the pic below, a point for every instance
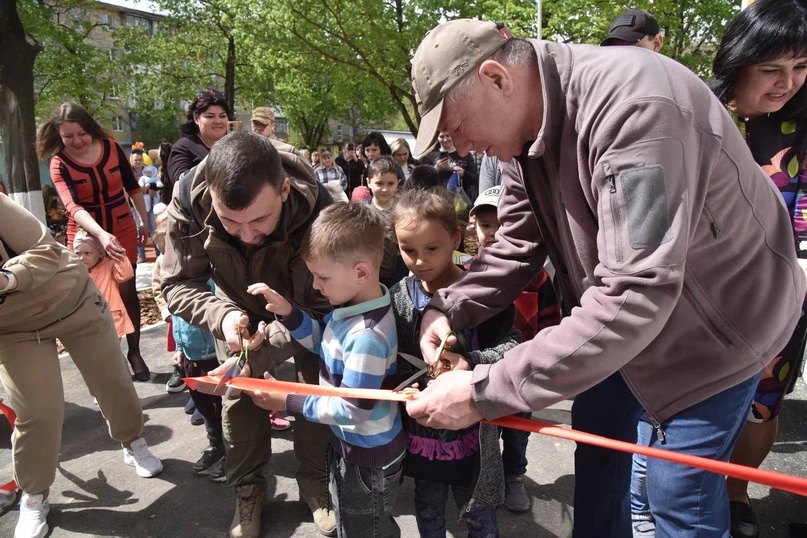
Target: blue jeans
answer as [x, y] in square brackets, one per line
[364, 497]
[639, 506]
[430, 511]
[684, 501]
[514, 452]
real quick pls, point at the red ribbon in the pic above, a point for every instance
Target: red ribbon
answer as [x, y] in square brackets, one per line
[11, 416]
[792, 484]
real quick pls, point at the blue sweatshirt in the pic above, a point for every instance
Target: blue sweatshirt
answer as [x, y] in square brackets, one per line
[358, 348]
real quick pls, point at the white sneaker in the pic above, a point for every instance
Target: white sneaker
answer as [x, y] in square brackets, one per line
[145, 463]
[33, 512]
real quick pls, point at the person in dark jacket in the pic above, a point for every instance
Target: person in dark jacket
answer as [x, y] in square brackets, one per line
[352, 166]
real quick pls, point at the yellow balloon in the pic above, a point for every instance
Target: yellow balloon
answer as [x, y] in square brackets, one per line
[146, 160]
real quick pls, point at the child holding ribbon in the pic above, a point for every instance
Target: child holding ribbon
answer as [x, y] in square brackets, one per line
[468, 461]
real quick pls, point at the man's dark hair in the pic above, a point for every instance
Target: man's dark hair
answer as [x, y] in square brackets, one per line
[765, 30]
[239, 165]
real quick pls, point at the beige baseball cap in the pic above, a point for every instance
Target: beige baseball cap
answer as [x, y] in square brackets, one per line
[446, 54]
[263, 115]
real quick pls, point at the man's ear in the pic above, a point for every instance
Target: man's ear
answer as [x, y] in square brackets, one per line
[285, 188]
[493, 74]
[658, 41]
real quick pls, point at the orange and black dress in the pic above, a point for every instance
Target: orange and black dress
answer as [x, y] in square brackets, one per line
[100, 189]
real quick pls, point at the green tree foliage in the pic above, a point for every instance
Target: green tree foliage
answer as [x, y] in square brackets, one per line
[692, 28]
[69, 66]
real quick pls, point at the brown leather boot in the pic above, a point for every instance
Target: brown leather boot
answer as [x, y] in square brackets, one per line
[248, 507]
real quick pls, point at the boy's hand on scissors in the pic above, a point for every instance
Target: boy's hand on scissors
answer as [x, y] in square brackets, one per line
[275, 303]
[271, 401]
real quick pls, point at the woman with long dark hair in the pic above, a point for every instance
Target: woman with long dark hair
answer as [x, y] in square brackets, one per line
[93, 178]
[759, 72]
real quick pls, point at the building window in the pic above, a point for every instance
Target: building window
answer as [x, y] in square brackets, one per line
[117, 124]
[281, 125]
[108, 20]
[134, 20]
[339, 133]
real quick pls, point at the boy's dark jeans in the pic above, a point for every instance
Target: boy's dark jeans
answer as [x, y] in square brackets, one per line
[430, 511]
[208, 405]
[514, 453]
[364, 498]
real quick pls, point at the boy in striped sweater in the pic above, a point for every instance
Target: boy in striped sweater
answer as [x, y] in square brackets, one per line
[358, 346]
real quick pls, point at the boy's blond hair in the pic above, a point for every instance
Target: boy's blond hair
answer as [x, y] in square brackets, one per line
[347, 233]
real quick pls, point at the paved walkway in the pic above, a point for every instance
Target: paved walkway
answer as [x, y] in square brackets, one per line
[95, 494]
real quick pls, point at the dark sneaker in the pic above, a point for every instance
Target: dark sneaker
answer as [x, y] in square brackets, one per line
[743, 520]
[210, 456]
[175, 382]
[190, 407]
[218, 472]
[515, 496]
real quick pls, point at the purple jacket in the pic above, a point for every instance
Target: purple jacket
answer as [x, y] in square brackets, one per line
[673, 249]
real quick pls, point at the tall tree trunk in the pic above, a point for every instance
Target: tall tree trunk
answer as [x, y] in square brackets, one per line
[17, 123]
[229, 79]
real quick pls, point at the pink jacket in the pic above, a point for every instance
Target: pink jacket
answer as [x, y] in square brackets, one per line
[107, 275]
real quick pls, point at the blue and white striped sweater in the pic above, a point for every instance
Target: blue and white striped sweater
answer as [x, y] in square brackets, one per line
[358, 348]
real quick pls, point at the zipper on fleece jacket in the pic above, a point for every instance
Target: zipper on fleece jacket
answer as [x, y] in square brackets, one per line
[654, 421]
[712, 222]
[615, 218]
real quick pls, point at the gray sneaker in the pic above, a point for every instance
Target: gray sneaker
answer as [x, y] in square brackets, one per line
[218, 472]
[515, 496]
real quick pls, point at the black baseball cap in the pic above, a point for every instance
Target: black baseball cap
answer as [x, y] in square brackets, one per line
[631, 27]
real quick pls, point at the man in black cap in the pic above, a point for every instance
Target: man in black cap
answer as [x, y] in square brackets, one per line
[635, 27]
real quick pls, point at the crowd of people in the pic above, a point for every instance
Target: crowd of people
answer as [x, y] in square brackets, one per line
[578, 224]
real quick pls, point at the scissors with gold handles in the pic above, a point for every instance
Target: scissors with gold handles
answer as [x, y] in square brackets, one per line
[432, 370]
[235, 369]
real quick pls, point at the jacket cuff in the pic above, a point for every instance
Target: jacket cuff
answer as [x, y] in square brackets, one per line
[293, 320]
[486, 384]
[20, 275]
[295, 404]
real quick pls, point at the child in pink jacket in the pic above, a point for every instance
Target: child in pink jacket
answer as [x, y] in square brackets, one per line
[107, 275]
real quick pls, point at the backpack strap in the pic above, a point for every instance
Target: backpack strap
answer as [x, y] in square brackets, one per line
[184, 184]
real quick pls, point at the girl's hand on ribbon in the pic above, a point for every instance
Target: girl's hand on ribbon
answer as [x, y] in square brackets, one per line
[275, 303]
[271, 401]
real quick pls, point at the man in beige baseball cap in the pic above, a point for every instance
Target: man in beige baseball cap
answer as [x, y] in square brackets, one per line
[461, 48]
[609, 163]
[263, 121]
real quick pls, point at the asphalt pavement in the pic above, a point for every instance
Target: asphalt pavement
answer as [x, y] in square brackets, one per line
[95, 494]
